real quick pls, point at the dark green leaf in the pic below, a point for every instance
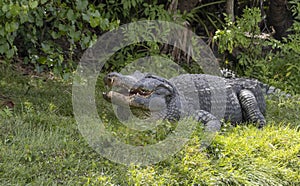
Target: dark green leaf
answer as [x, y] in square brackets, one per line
[71, 15]
[81, 4]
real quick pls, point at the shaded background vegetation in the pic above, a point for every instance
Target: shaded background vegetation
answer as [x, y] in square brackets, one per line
[255, 38]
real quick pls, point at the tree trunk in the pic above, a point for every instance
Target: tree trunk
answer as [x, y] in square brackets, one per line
[187, 6]
[230, 9]
[279, 17]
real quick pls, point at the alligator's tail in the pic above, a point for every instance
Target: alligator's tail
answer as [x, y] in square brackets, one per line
[268, 90]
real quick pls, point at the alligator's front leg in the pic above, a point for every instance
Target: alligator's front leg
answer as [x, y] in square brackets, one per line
[211, 126]
[250, 108]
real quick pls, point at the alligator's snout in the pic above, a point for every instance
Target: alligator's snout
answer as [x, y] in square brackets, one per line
[111, 78]
[120, 84]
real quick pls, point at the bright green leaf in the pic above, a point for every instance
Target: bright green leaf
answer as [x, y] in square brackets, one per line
[94, 21]
[42, 60]
[5, 8]
[11, 27]
[33, 4]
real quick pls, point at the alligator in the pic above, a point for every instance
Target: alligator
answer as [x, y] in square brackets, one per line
[200, 96]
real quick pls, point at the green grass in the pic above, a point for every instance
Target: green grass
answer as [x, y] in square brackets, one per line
[41, 145]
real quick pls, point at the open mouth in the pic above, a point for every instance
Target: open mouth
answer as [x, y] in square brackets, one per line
[125, 93]
[147, 93]
[122, 91]
[140, 92]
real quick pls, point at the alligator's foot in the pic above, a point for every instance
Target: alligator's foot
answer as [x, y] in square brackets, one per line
[251, 108]
[211, 126]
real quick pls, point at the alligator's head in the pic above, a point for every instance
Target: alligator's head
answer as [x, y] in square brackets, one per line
[143, 92]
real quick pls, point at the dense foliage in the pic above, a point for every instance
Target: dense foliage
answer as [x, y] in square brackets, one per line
[54, 34]
[259, 55]
[51, 33]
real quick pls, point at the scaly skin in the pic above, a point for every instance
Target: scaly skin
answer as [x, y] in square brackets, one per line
[204, 97]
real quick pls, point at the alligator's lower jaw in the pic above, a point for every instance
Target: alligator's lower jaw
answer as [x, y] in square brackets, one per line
[126, 100]
[107, 96]
[116, 97]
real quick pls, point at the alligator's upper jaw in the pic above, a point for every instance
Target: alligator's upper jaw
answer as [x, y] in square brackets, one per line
[118, 80]
[120, 84]
[121, 93]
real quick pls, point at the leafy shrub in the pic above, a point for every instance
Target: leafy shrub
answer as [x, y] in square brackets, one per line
[131, 11]
[271, 61]
[242, 35]
[53, 34]
[285, 63]
[50, 34]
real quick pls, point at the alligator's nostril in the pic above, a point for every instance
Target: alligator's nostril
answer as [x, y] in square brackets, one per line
[109, 80]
